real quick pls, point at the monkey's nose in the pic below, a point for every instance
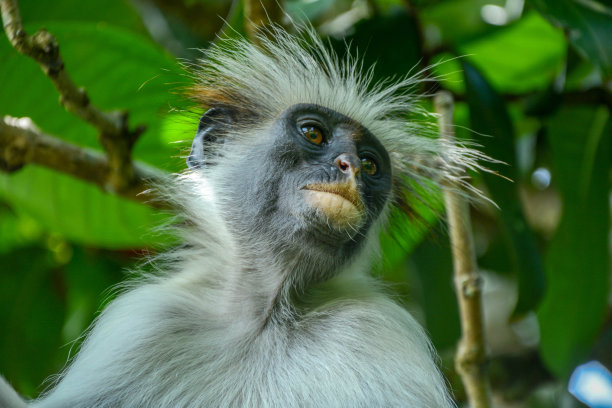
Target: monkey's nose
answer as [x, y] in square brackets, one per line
[348, 164]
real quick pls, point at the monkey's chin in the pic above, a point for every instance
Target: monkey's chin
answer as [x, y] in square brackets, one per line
[339, 211]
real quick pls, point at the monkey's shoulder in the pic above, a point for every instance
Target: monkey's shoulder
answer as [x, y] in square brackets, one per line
[348, 351]
[357, 329]
[355, 352]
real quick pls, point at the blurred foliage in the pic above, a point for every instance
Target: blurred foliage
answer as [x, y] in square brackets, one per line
[533, 83]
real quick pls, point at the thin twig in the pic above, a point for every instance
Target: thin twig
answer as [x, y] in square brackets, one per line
[114, 133]
[21, 143]
[471, 358]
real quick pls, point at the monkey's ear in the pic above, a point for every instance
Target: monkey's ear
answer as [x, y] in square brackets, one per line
[213, 125]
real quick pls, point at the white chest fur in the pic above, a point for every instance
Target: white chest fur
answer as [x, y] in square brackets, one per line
[158, 346]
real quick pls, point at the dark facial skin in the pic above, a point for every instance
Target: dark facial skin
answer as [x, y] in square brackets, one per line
[270, 189]
[336, 158]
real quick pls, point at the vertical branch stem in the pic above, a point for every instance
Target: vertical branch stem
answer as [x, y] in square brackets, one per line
[471, 358]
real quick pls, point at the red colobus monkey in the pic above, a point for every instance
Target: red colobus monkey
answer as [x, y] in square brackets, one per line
[270, 303]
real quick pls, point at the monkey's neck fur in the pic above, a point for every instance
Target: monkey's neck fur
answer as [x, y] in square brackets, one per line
[291, 283]
[267, 283]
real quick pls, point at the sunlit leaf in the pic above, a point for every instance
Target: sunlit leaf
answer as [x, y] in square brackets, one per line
[526, 56]
[80, 211]
[454, 22]
[404, 232]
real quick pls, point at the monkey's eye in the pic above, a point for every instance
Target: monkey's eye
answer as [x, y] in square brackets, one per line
[368, 166]
[313, 134]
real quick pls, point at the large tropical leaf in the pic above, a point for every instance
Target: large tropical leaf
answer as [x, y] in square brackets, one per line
[577, 261]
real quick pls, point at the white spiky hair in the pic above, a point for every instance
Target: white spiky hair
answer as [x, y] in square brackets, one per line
[261, 81]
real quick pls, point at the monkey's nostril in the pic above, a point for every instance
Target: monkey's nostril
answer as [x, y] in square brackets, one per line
[346, 164]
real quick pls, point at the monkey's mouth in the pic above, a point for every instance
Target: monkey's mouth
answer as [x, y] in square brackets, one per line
[339, 202]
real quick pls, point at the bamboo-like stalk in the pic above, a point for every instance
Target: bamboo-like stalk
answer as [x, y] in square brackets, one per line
[471, 357]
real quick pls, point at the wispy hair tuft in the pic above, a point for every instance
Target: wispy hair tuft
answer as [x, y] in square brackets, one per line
[258, 82]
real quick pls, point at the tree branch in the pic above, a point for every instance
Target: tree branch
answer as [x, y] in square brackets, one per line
[21, 143]
[471, 358]
[114, 133]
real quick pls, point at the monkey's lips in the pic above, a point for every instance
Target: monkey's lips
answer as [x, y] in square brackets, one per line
[340, 203]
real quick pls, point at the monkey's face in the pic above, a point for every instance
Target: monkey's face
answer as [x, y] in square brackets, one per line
[337, 177]
[314, 180]
[318, 180]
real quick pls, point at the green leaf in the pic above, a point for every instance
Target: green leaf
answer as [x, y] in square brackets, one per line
[434, 266]
[577, 262]
[88, 291]
[455, 22]
[120, 70]
[404, 232]
[29, 351]
[119, 13]
[80, 211]
[589, 27]
[526, 56]
[15, 231]
[46, 304]
[493, 130]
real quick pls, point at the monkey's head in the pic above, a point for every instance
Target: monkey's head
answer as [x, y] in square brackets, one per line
[311, 180]
[304, 155]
